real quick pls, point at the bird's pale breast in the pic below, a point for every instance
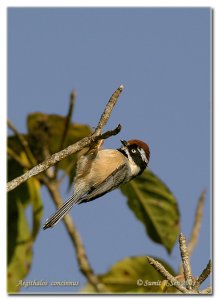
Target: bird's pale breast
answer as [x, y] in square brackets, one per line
[104, 163]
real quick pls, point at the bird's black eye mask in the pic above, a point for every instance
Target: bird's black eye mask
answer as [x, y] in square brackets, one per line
[138, 156]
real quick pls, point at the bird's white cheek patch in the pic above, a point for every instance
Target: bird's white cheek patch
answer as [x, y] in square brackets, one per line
[134, 168]
[142, 152]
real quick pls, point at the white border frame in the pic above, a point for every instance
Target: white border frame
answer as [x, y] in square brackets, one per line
[3, 97]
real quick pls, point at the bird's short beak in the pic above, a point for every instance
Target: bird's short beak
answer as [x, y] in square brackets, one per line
[124, 143]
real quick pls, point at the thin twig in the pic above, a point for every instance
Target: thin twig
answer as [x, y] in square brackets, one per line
[205, 273]
[76, 240]
[66, 126]
[109, 133]
[196, 226]
[72, 148]
[68, 118]
[108, 109]
[197, 223]
[185, 261]
[174, 282]
[192, 287]
[24, 143]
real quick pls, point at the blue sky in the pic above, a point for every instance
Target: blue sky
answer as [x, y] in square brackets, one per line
[162, 57]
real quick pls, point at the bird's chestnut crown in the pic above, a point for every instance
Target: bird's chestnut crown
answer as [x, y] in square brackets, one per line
[132, 144]
[141, 145]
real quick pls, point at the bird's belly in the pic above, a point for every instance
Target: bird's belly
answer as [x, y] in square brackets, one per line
[100, 171]
[102, 166]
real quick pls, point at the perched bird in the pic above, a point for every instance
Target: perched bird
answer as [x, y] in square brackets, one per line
[101, 171]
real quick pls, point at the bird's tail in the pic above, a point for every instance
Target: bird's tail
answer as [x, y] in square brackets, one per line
[61, 212]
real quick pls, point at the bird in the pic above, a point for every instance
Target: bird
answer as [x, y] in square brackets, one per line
[100, 171]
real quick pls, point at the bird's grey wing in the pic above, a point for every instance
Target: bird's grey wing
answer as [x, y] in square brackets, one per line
[117, 177]
[62, 211]
[110, 183]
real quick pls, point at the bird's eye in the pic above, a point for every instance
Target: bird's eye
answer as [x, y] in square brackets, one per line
[133, 151]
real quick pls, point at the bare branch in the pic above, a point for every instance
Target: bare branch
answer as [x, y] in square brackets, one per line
[76, 239]
[196, 226]
[191, 284]
[66, 126]
[197, 223]
[68, 118]
[109, 133]
[72, 148]
[175, 283]
[24, 143]
[108, 109]
[185, 261]
[205, 273]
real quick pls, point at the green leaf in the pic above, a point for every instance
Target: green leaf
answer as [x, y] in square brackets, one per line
[21, 258]
[155, 206]
[37, 206]
[20, 236]
[132, 275]
[14, 144]
[45, 137]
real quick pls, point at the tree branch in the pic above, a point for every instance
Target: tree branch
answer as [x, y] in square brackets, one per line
[66, 126]
[196, 226]
[96, 136]
[197, 223]
[185, 262]
[108, 109]
[75, 239]
[109, 133]
[192, 287]
[205, 273]
[68, 118]
[160, 268]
